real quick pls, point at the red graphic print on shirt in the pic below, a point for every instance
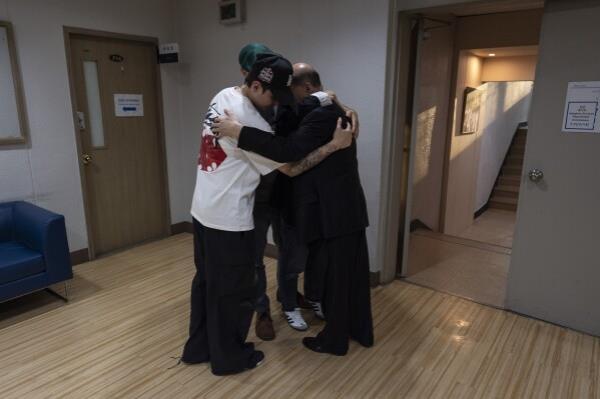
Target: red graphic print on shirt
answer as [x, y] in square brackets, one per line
[211, 154]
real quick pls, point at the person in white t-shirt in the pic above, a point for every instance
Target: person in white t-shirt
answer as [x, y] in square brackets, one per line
[223, 290]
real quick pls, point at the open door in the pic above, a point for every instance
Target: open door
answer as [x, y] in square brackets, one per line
[555, 269]
[396, 157]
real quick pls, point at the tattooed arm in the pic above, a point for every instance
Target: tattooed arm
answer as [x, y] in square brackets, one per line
[342, 138]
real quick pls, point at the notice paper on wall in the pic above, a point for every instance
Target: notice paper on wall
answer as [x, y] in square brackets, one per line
[127, 105]
[582, 108]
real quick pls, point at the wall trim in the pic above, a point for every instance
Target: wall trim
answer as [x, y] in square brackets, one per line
[374, 279]
[80, 256]
[182, 227]
[482, 210]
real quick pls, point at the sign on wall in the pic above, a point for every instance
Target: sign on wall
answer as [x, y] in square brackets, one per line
[582, 114]
[127, 105]
[168, 53]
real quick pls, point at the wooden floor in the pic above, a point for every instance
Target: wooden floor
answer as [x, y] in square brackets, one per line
[494, 226]
[469, 269]
[129, 316]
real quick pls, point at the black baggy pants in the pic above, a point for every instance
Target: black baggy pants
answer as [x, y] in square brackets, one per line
[222, 300]
[346, 293]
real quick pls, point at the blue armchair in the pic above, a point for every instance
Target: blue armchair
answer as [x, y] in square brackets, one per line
[34, 252]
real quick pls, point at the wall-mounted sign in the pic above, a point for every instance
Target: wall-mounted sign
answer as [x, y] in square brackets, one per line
[582, 108]
[168, 52]
[231, 11]
[127, 105]
[471, 108]
[116, 58]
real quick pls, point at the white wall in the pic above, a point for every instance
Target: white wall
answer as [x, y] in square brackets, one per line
[47, 172]
[504, 106]
[345, 40]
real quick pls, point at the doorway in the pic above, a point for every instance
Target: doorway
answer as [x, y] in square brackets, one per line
[473, 86]
[116, 96]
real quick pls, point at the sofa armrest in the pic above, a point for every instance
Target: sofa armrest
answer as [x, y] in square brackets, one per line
[45, 232]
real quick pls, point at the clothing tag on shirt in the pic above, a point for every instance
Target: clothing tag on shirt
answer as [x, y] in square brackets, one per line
[323, 97]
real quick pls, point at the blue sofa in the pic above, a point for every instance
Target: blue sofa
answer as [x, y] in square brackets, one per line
[33, 249]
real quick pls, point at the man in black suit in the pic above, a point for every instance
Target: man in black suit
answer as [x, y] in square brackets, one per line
[327, 209]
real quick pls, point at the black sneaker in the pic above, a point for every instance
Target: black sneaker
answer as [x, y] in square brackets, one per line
[256, 360]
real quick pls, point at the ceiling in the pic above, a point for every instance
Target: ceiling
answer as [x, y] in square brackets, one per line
[506, 51]
[485, 7]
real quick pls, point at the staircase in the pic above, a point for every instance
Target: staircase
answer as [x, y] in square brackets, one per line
[506, 191]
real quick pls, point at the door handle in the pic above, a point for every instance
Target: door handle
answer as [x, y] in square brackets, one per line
[536, 175]
[86, 159]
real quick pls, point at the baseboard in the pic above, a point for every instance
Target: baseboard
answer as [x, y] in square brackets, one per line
[374, 278]
[417, 224]
[183, 227]
[482, 209]
[271, 251]
[80, 256]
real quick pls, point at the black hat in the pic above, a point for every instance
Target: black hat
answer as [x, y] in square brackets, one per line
[275, 72]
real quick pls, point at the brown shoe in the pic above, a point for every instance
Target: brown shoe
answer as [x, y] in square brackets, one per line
[264, 327]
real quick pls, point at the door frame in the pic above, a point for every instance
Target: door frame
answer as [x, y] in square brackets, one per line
[393, 228]
[68, 32]
[397, 133]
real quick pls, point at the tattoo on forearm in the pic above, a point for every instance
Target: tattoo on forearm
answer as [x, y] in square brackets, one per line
[311, 160]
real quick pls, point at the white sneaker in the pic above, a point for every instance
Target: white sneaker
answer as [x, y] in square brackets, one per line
[318, 309]
[295, 320]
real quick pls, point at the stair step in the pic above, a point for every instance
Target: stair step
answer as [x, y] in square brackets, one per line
[515, 159]
[499, 205]
[513, 188]
[512, 168]
[497, 193]
[520, 138]
[513, 162]
[509, 180]
[508, 171]
[504, 200]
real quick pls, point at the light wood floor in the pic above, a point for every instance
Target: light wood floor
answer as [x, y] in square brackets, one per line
[494, 226]
[129, 316]
[466, 268]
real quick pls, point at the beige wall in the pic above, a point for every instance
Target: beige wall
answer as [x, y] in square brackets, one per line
[435, 67]
[464, 154]
[505, 69]
[520, 28]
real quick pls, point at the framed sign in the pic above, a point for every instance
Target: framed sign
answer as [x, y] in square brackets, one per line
[471, 107]
[231, 11]
[13, 126]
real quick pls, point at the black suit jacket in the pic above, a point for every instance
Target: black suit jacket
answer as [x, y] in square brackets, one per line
[328, 200]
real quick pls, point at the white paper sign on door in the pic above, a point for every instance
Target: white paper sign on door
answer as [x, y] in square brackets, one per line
[129, 105]
[582, 108]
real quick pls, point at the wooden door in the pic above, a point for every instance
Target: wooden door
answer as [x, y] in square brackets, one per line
[118, 108]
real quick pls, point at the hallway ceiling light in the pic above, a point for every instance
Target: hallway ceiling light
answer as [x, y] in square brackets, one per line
[491, 55]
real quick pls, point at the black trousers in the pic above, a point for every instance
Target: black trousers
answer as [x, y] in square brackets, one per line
[264, 216]
[346, 294]
[222, 302]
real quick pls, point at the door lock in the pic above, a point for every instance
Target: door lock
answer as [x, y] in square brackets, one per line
[86, 159]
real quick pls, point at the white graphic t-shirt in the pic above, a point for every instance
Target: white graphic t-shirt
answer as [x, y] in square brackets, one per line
[227, 176]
